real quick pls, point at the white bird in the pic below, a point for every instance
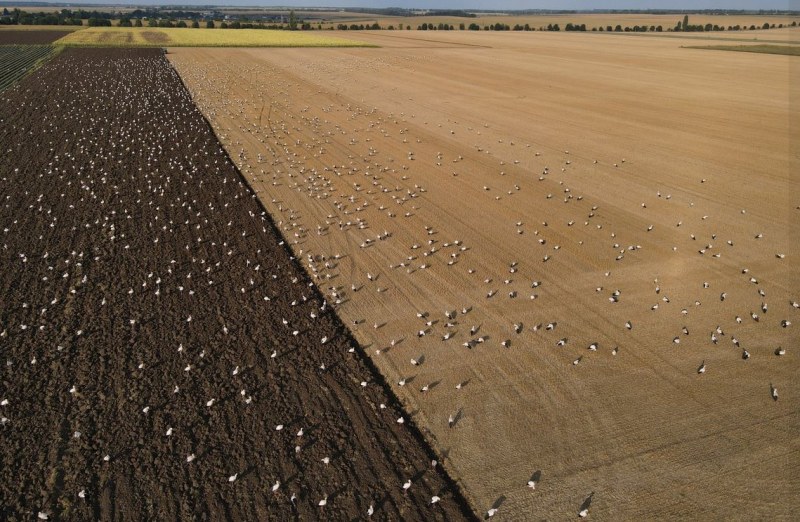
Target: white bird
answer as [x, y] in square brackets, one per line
[491, 512]
[435, 499]
[323, 501]
[532, 484]
[407, 485]
[43, 516]
[190, 458]
[82, 493]
[774, 392]
[702, 368]
[584, 513]
[169, 432]
[276, 486]
[233, 477]
[370, 511]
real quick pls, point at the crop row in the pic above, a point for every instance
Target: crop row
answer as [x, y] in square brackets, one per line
[16, 60]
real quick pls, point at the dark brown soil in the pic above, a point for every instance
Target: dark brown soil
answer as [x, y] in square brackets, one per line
[137, 272]
[10, 36]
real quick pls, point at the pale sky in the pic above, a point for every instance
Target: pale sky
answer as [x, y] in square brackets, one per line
[491, 4]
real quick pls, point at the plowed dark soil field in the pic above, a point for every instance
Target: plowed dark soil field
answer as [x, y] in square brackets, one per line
[163, 357]
[10, 36]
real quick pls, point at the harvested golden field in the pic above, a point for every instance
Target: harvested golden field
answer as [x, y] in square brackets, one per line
[188, 37]
[574, 256]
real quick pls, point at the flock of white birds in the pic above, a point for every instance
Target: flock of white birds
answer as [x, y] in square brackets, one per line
[369, 205]
[143, 267]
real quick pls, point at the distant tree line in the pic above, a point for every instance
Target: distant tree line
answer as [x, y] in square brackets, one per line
[17, 16]
[182, 18]
[568, 27]
[685, 26]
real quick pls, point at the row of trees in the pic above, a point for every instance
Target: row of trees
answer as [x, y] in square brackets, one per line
[685, 26]
[178, 18]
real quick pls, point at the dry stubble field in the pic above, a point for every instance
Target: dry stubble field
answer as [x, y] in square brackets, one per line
[640, 199]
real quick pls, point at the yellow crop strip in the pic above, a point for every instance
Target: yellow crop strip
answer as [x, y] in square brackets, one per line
[188, 37]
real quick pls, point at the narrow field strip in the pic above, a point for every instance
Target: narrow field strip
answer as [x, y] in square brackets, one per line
[30, 37]
[786, 50]
[187, 37]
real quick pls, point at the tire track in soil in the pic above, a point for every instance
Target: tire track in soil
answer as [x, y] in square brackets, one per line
[137, 272]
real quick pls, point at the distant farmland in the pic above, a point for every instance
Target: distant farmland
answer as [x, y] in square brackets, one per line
[187, 37]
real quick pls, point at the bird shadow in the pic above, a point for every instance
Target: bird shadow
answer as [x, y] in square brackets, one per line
[537, 476]
[418, 475]
[457, 417]
[331, 366]
[499, 502]
[248, 471]
[587, 502]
